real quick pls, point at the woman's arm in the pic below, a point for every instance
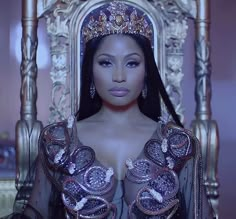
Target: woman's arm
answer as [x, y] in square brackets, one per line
[193, 192]
[39, 200]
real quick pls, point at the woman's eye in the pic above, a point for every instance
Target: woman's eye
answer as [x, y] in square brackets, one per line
[132, 64]
[105, 63]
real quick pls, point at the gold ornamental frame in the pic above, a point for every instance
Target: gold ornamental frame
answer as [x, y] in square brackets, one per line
[170, 17]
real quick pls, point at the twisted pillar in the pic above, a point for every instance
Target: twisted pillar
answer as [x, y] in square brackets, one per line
[203, 126]
[27, 128]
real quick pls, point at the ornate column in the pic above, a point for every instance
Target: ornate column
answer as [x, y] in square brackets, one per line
[27, 128]
[203, 126]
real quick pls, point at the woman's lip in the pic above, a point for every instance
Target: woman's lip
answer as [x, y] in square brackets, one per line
[119, 91]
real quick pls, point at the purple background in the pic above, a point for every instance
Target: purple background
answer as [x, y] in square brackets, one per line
[223, 35]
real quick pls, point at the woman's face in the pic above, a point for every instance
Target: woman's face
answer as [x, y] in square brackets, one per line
[119, 70]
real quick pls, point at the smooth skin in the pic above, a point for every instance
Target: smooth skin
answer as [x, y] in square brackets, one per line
[119, 130]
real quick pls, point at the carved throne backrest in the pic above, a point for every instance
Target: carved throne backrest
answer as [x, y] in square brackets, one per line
[64, 20]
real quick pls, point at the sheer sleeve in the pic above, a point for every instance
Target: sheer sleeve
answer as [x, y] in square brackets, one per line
[39, 198]
[192, 190]
[36, 206]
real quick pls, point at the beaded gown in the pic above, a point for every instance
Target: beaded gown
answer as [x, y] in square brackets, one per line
[164, 181]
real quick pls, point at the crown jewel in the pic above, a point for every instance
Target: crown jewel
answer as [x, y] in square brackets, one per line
[117, 18]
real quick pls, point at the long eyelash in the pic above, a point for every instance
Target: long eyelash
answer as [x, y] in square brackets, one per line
[134, 63]
[104, 62]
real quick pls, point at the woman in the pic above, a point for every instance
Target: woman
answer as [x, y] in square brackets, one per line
[120, 160]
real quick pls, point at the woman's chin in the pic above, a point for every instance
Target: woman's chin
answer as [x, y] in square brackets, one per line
[120, 103]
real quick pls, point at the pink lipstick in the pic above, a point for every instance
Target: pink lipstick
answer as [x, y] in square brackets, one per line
[119, 91]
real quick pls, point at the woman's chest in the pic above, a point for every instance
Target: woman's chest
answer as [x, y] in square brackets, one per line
[113, 146]
[114, 152]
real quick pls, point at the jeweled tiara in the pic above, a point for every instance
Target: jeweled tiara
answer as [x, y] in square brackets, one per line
[117, 18]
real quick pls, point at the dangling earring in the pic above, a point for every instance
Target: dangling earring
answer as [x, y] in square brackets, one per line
[92, 90]
[144, 91]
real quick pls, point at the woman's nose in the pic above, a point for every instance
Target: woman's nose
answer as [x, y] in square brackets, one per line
[119, 75]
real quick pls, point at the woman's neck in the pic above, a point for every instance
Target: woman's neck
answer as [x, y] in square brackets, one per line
[120, 114]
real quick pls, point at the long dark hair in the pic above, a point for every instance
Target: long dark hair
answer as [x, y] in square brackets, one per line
[150, 106]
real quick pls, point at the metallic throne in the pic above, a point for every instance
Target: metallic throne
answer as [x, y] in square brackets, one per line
[64, 19]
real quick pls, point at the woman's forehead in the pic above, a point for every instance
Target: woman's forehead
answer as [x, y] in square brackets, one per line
[117, 43]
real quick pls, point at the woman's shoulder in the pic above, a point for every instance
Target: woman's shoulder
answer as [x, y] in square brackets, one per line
[176, 144]
[180, 138]
[57, 141]
[56, 130]
[87, 123]
[60, 131]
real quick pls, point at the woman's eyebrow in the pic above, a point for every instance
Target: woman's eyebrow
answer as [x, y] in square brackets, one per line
[133, 54]
[113, 56]
[106, 54]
